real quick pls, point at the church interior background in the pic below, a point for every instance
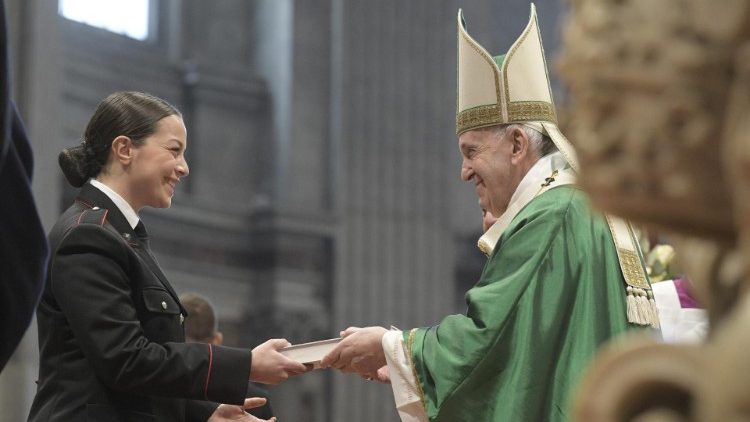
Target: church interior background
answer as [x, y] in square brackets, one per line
[324, 188]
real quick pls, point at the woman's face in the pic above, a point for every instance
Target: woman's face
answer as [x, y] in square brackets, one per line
[158, 165]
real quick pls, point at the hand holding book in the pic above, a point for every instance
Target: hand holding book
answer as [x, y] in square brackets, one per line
[359, 351]
[310, 354]
[270, 366]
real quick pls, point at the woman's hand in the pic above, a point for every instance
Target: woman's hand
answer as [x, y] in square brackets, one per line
[271, 367]
[228, 412]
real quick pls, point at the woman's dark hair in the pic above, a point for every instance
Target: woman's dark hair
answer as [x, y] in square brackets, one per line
[123, 113]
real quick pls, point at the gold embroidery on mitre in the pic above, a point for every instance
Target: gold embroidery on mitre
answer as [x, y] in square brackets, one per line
[476, 117]
[519, 111]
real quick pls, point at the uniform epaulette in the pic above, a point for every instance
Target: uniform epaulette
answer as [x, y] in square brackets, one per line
[94, 215]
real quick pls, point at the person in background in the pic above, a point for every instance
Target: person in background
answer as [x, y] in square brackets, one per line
[111, 340]
[487, 220]
[683, 318]
[202, 326]
[489, 238]
[23, 246]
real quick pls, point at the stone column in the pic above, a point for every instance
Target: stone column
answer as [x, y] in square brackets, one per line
[396, 99]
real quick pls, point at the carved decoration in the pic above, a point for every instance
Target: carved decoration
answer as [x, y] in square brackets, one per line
[661, 118]
[641, 380]
[737, 145]
[724, 388]
[650, 83]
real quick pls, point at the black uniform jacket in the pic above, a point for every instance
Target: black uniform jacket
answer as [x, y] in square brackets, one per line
[110, 333]
[23, 247]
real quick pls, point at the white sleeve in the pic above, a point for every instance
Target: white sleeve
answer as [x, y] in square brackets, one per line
[403, 381]
[678, 324]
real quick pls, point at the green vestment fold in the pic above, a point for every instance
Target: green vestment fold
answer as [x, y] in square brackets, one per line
[550, 294]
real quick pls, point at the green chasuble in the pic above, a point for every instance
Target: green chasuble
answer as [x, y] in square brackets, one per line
[550, 294]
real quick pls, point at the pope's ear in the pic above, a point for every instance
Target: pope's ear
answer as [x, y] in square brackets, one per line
[122, 149]
[520, 142]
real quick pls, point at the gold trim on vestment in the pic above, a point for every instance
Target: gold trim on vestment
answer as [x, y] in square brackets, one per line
[409, 354]
[640, 306]
[627, 253]
[632, 270]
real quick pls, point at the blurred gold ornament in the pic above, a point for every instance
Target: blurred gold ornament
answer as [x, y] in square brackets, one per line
[660, 117]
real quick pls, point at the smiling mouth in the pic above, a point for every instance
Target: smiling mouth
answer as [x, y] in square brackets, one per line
[172, 184]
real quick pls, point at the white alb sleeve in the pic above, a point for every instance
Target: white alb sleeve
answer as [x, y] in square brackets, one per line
[403, 381]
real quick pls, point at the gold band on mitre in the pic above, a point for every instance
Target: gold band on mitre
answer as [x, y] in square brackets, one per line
[490, 115]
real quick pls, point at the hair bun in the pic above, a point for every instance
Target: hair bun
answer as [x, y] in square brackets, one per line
[71, 162]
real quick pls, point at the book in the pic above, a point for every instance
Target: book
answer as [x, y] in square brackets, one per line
[310, 353]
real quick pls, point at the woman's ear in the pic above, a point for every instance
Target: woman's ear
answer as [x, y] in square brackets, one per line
[122, 150]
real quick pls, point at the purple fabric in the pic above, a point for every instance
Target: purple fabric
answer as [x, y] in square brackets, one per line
[683, 292]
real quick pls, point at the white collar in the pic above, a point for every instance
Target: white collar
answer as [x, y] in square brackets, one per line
[121, 203]
[539, 171]
[527, 190]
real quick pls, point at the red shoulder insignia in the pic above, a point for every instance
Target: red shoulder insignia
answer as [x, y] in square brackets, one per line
[94, 215]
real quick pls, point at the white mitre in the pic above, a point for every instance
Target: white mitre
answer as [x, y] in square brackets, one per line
[510, 88]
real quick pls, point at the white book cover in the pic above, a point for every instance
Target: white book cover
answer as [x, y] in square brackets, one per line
[310, 353]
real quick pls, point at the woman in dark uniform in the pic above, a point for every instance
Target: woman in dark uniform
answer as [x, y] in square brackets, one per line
[110, 325]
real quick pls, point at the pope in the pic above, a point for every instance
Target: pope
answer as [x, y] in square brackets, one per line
[559, 281]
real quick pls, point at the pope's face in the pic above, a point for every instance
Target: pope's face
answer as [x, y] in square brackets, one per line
[489, 164]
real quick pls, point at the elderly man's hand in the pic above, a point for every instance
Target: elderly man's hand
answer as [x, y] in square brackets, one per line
[384, 375]
[360, 351]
